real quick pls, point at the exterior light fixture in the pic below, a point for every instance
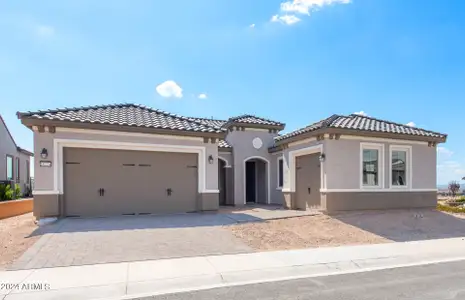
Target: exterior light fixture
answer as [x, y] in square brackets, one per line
[44, 153]
[322, 157]
[210, 159]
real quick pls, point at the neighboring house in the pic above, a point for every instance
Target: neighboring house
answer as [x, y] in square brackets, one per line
[14, 161]
[132, 159]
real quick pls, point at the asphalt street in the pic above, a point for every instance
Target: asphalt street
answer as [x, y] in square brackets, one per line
[428, 282]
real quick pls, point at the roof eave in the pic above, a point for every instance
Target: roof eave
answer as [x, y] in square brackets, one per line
[224, 149]
[366, 133]
[30, 122]
[24, 151]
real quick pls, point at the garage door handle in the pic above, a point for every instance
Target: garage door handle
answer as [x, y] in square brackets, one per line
[169, 191]
[100, 191]
[309, 190]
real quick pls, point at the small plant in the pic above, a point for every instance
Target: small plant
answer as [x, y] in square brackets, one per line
[454, 187]
[2, 191]
[9, 193]
[17, 191]
[460, 199]
[447, 208]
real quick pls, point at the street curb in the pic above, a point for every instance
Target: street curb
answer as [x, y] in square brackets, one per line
[284, 278]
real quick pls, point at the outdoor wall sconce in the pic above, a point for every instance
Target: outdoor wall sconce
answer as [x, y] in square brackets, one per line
[210, 159]
[322, 157]
[44, 153]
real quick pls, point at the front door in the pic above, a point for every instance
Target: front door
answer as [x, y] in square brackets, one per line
[250, 181]
[222, 181]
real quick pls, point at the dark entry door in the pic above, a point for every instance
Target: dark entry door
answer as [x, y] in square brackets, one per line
[222, 181]
[250, 182]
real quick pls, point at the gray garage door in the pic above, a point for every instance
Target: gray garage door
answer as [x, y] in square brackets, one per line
[101, 182]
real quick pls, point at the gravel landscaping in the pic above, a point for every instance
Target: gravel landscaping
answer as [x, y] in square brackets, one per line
[350, 228]
[302, 232]
[14, 238]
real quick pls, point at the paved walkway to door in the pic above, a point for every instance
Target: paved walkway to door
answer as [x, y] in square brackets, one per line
[72, 242]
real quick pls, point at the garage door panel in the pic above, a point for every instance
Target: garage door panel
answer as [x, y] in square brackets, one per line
[135, 182]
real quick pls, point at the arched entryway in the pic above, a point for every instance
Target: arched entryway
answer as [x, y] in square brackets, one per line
[256, 180]
[222, 183]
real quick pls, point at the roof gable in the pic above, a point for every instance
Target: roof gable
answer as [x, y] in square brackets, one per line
[2, 123]
[12, 139]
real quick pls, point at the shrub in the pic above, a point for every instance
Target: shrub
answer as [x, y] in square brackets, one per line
[2, 191]
[9, 193]
[461, 199]
[448, 208]
[17, 191]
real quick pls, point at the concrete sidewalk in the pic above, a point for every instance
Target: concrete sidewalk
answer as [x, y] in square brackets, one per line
[144, 278]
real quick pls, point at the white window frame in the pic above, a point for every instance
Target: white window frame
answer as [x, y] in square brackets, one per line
[408, 170]
[381, 167]
[12, 167]
[280, 158]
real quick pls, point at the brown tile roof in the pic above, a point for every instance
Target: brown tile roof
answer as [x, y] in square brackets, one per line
[210, 122]
[362, 123]
[224, 144]
[251, 119]
[125, 114]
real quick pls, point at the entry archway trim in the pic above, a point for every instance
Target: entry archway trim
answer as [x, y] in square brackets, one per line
[268, 194]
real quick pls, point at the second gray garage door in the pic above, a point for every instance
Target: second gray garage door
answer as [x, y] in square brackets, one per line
[102, 182]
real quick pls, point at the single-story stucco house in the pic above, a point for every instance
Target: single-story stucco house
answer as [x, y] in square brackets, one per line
[132, 159]
[14, 161]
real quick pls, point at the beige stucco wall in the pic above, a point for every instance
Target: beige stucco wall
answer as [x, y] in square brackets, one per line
[227, 156]
[277, 196]
[243, 149]
[343, 165]
[377, 200]
[44, 176]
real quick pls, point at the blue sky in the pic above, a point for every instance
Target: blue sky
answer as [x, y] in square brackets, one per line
[296, 62]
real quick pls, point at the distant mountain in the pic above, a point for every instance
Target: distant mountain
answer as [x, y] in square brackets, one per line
[443, 186]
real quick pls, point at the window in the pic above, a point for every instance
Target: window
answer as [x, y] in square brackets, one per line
[372, 165]
[400, 159]
[280, 172]
[17, 169]
[9, 167]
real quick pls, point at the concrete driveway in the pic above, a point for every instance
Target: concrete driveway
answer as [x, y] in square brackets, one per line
[71, 242]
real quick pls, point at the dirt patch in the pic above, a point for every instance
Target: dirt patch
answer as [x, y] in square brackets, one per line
[14, 237]
[302, 232]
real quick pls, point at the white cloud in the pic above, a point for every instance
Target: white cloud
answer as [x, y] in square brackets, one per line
[444, 152]
[450, 170]
[252, 26]
[286, 19]
[304, 7]
[360, 113]
[202, 96]
[411, 124]
[169, 89]
[45, 31]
